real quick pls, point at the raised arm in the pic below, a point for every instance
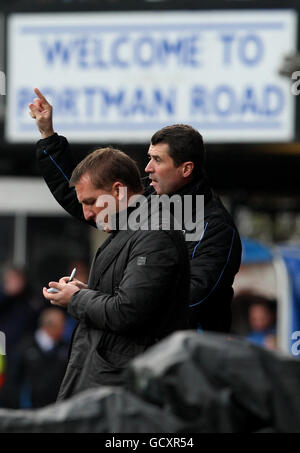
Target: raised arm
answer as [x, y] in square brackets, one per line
[54, 157]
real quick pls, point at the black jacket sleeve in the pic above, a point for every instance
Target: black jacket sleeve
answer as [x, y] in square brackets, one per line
[56, 165]
[214, 262]
[141, 298]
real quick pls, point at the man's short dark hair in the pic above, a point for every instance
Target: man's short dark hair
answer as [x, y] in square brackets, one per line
[185, 144]
[105, 166]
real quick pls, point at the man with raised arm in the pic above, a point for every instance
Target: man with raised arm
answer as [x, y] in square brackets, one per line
[176, 166]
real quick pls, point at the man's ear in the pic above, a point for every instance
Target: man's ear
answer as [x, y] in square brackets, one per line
[119, 191]
[187, 169]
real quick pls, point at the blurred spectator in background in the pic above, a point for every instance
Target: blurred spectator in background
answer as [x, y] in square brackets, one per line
[19, 311]
[254, 317]
[19, 307]
[262, 321]
[39, 364]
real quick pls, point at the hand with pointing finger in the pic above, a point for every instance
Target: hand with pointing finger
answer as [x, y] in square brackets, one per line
[41, 111]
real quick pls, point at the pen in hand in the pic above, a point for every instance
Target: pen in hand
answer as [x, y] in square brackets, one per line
[72, 275]
[54, 290]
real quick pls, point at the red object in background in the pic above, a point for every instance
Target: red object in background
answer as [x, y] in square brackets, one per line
[2, 370]
[2, 379]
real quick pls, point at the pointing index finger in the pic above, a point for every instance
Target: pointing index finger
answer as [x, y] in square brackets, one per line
[40, 95]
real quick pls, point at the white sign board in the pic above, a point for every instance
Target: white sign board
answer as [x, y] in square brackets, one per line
[118, 77]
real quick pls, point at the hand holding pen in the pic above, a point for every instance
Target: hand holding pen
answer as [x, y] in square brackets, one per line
[55, 290]
[61, 292]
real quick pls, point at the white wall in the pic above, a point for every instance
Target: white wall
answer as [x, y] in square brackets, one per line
[29, 196]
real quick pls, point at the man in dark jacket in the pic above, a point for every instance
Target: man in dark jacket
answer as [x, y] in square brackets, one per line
[176, 167]
[138, 288]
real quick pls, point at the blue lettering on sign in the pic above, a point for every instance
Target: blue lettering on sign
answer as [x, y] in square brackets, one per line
[254, 43]
[65, 104]
[168, 48]
[247, 49]
[89, 94]
[185, 50]
[69, 102]
[167, 102]
[100, 102]
[249, 101]
[57, 51]
[83, 54]
[227, 48]
[144, 51]
[111, 99]
[193, 52]
[122, 52]
[273, 100]
[115, 52]
[224, 101]
[24, 97]
[221, 102]
[199, 101]
[138, 104]
[99, 61]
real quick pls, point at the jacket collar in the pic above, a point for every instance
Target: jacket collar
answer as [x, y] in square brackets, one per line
[115, 242]
[198, 186]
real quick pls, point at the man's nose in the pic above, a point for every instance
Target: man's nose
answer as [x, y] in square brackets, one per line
[148, 168]
[88, 213]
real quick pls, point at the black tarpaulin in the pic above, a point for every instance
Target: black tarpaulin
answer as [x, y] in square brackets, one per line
[187, 383]
[218, 383]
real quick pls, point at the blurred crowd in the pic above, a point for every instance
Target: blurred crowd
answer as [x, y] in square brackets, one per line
[37, 337]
